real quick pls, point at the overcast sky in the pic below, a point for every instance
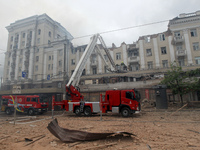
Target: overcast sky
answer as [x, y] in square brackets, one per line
[86, 17]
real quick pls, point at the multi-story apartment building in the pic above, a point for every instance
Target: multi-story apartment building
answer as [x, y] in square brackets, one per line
[35, 53]
[40, 55]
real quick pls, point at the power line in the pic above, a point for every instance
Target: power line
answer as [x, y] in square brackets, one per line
[120, 29]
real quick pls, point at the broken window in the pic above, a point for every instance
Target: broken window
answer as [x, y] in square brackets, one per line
[118, 56]
[193, 32]
[147, 39]
[163, 50]
[195, 46]
[162, 37]
[149, 53]
[73, 61]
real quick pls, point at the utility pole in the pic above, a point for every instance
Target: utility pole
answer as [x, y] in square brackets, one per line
[66, 43]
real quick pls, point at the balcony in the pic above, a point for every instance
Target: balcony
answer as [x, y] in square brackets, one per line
[133, 59]
[94, 63]
[181, 53]
[177, 39]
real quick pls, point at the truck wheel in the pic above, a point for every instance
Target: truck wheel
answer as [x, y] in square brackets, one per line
[125, 112]
[8, 111]
[87, 111]
[77, 111]
[31, 112]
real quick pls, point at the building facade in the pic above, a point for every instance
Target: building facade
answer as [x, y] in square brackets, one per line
[40, 55]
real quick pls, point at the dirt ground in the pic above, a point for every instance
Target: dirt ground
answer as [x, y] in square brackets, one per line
[153, 129]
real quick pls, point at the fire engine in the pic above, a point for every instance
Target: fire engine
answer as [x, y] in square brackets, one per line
[121, 101]
[30, 104]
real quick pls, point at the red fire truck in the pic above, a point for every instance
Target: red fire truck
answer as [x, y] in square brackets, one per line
[30, 104]
[120, 101]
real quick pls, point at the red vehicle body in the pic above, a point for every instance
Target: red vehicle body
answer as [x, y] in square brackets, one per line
[125, 102]
[30, 104]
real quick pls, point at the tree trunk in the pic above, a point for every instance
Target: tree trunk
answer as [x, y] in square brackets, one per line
[181, 99]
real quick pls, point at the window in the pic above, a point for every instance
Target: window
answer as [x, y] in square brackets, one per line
[49, 57]
[106, 69]
[34, 99]
[94, 59]
[197, 59]
[23, 35]
[39, 31]
[165, 63]
[83, 73]
[150, 65]
[129, 95]
[58, 36]
[179, 47]
[8, 63]
[60, 63]
[106, 57]
[11, 38]
[49, 42]
[37, 58]
[181, 61]
[11, 46]
[94, 70]
[20, 60]
[177, 34]
[38, 40]
[118, 56]
[37, 50]
[134, 67]
[49, 34]
[163, 50]
[193, 32]
[49, 66]
[23, 43]
[195, 46]
[73, 62]
[60, 52]
[94, 81]
[162, 37]
[147, 39]
[36, 68]
[28, 99]
[149, 53]
[60, 73]
[20, 69]
[52, 57]
[72, 72]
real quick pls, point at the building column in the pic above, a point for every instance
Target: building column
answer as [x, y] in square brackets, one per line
[112, 55]
[17, 65]
[19, 41]
[45, 64]
[124, 50]
[156, 51]
[141, 49]
[54, 63]
[171, 49]
[99, 63]
[30, 68]
[187, 45]
[88, 66]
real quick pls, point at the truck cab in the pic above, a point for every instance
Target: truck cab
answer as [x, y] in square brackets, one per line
[125, 102]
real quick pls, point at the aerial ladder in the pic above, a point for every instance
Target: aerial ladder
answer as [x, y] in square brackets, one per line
[72, 86]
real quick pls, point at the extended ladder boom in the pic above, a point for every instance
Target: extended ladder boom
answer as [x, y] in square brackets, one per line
[75, 78]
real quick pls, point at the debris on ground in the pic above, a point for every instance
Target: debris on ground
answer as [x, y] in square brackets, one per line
[66, 135]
